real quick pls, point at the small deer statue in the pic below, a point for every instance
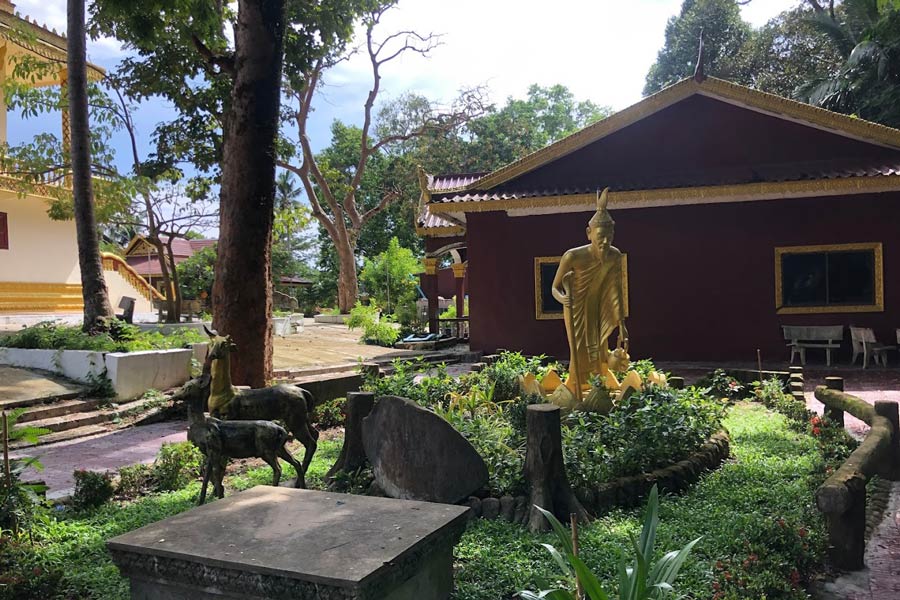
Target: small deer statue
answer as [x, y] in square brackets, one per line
[220, 441]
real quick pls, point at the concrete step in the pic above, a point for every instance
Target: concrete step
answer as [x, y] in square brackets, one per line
[69, 421]
[62, 436]
[24, 402]
[59, 408]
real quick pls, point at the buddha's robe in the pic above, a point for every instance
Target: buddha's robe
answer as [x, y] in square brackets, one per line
[598, 306]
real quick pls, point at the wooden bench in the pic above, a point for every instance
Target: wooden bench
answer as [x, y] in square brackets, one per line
[801, 337]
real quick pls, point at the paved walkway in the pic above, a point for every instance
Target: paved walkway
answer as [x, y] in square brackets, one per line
[18, 385]
[104, 452]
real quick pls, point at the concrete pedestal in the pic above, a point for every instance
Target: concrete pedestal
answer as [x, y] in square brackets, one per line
[271, 542]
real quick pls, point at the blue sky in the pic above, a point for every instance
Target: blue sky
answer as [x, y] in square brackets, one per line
[600, 49]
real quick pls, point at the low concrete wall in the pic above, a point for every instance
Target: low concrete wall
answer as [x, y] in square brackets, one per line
[168, 328]
[74, 364]
[131, 373]
[333, 319]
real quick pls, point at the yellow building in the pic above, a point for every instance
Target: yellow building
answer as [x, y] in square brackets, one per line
[39, 271]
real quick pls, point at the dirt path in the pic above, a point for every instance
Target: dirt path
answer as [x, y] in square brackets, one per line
[320, 345]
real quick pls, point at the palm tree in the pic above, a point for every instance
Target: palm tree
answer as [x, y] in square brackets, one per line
[93, 286]
[867, 33]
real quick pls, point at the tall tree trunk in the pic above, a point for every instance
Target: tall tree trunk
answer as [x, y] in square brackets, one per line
[93, 286]
[176, 286]
[242, 294]
[171, 310]
[348, 281]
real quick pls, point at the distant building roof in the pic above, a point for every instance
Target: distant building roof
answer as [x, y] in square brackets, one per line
[294, 281]
[141, 255]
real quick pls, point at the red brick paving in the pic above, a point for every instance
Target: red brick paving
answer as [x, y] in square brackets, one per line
[104, 452]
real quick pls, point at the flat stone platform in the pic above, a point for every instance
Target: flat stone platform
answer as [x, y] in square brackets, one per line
[271, 542]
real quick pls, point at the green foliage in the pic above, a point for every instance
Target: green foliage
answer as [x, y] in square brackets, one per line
[450, 312]
[724, 33]
[176, 465]
[389, 277]
[649, 429]
[330, 414]
[504, 373]
[119, 337]
[640, 581]
[771, 393]
[756, 510]
[92, 488]
[378, 330]
[722, 385]
[197, 273]
[867, 84]
[134, 481]
[17, 498]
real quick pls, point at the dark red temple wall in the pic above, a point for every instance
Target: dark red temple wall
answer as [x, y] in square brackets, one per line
[701, 278]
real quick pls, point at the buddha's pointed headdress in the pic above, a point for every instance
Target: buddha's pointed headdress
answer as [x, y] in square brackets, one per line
[602, 217]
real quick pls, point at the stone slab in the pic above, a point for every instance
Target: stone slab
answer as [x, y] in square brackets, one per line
[271, 542]
[417, 455]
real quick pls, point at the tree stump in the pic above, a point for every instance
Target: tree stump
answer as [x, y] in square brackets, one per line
[545, 470]
[353, 455]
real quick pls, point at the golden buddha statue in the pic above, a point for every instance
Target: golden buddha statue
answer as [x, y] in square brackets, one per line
[589, 285]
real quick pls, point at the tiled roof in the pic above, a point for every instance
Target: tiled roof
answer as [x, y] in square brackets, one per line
[707, 177]
[438, 183]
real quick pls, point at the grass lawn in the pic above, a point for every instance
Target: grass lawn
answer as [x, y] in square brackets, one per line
[761, 533]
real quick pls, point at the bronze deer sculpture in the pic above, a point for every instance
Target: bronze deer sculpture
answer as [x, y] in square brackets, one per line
[289, 404]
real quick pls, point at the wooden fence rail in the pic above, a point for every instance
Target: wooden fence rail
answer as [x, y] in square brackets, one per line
[842, 498]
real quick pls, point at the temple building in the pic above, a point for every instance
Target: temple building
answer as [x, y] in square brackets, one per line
[737, 211]
[39, 271]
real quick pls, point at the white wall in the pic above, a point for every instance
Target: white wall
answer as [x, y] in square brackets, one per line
[118, 287]
[40, 250]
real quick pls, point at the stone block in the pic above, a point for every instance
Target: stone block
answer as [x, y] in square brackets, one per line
[490, 508]
[507, 508]
[285, 543]
[417, 455]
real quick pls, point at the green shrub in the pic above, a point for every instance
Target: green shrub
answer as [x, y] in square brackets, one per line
[376, 330]
[134, 481]
[722, 385]
[24, 576]
[330, 414]
[92, 488]
[504, 373]
[119, 337]
[176, 465]
[650, 429]
[772, 394]
[18, 499]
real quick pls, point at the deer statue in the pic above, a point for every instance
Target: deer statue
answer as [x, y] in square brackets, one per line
[289, 404]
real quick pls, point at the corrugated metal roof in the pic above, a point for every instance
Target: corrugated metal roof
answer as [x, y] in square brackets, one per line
[452, 180]
[707, 177]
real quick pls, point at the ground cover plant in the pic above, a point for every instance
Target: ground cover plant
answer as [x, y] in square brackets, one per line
[762, 536]
[117, 337]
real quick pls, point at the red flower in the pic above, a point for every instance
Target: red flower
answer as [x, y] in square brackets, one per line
[816, 431]
[795, 577]
[716, 586]
[801, 532]
[815, 420]
[754, 558]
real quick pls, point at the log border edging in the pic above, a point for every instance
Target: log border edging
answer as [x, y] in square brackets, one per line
[842, 497]
[624, 491]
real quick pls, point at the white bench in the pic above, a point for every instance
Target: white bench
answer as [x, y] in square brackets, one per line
[801, 337]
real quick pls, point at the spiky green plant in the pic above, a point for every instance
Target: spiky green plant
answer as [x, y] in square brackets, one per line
[640, 581]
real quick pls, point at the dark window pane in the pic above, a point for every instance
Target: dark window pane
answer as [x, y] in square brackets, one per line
[851, 277]
[803, 279]
[548, 302]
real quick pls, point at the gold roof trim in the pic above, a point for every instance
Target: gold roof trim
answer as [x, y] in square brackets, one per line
[688, 195]
[440, 231]
[50, 44]
[710, 87]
